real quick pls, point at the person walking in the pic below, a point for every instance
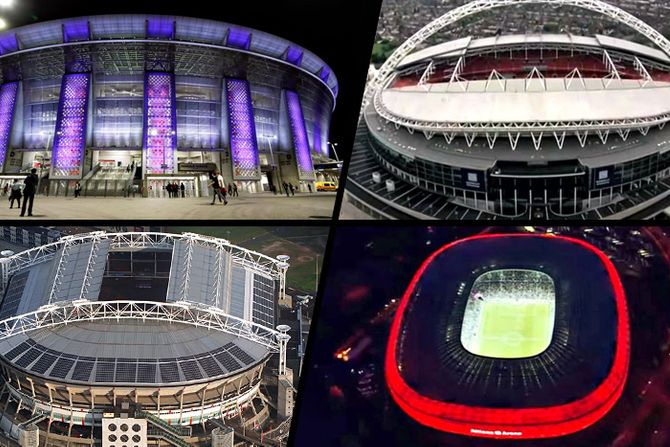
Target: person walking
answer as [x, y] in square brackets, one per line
[235, 190]
[216, 182]
[29, 191]
[77, 190]
[15, 194]
[285, 185]
[223, 190]
[230, 189]
[309, 186]
[292, 188]
[182, 187]
[5, 189]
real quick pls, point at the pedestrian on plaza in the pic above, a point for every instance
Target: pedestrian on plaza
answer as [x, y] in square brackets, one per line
[309, 186]
[182, 187]
[285, 185]
[5, 189]
[235, 193]
[77, 190]
[292, 188]
[230, 189]
[29, 191]
[15, 194]
[216, 182]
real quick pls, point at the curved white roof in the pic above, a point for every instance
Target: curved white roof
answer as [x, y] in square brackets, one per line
[525, 101]
[459, 47]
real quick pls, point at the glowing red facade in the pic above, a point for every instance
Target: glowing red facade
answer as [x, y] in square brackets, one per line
[534, 422]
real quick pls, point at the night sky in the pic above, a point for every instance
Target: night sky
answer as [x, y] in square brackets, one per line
[338, 31]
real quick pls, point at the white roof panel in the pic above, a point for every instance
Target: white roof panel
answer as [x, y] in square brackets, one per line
[436, 50]
[632, 47]
[517, 105]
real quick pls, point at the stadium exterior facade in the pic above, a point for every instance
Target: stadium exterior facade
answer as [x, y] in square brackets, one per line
[178, 328]
[542, 126]
[569, 386]
[123, 101]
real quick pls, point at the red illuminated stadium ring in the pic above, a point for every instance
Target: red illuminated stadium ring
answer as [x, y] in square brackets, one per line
[539, 422]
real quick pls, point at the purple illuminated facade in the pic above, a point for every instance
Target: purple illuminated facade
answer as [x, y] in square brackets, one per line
[8, 43]
[160, 123]
[239, 38]
[294, 55]
[300, 142]
[243, 144]
[160, 28]
[8, 94]
[76, 30]
[70, 137]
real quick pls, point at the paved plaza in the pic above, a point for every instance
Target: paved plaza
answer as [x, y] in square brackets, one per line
[246, 206]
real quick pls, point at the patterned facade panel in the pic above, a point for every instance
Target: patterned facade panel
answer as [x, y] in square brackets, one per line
[8, 93]
[300, 142]
[160, 124]
[243, 143]
[70, 137]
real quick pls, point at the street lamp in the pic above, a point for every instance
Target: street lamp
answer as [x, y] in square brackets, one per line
[333, 147]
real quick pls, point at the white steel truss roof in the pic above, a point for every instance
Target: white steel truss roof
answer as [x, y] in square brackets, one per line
[384, 75]
[199, 315]
[248, 258]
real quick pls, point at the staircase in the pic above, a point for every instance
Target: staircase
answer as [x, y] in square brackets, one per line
[36, 419]
[170, 433]
[107, 181]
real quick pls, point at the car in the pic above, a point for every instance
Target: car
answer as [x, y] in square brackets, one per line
[326, 186]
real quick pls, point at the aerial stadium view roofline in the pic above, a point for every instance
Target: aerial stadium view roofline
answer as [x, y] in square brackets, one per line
[517, 408]
[156, 99]
[181, 326]
[514, 126]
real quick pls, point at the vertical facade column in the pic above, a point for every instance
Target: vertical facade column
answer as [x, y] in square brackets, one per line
[296, 119]
[70, 135]
[160, 123]
[242, 128]
[8, 94]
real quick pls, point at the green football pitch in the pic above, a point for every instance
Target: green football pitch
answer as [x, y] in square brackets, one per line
[515, 329]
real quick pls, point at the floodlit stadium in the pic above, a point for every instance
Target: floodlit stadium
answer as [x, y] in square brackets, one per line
[133, 102]
[510, 336]
[517, 126]
[173, 329]
[510, 314]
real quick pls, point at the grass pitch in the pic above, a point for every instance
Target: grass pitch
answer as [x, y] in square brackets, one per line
[510, 329]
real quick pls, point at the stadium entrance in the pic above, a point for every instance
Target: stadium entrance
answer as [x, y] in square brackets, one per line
[193, 185]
